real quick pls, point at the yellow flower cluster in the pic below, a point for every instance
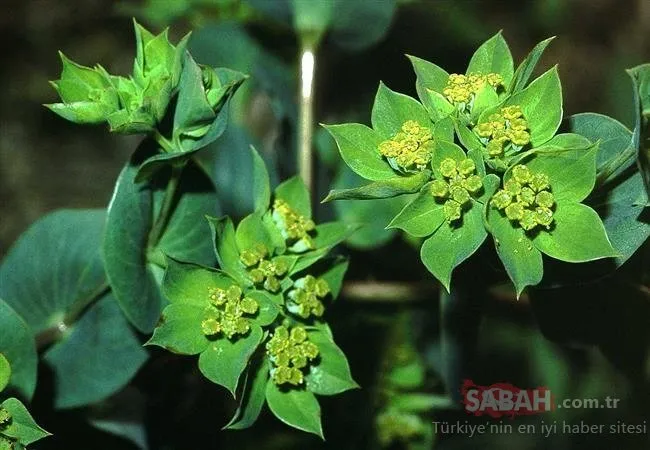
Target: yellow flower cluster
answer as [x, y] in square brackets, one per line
[463, 88]
[290, 351]
[292, 225]
[305, 299]
[410, 148]
[262, 270]
[503, 128]
[526, 199]
[226, 311]
[458, 185]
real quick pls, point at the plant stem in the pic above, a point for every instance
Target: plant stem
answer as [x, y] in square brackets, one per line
[306, 126]
[163, 142]
[388, 292]
[615, 164]
[167, 206]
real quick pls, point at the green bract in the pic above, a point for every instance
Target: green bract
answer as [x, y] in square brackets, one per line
[472, 134]
[260, 314]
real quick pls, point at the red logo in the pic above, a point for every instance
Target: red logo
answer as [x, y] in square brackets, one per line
[504, 399]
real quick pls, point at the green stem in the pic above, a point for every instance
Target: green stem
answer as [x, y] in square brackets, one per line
[164, 143]
[305, 155]
[167, 206]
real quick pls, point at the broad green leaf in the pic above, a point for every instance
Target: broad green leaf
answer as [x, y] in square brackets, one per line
[98, 356]
[392, 187]
[438, 106]
[22, 427]
[577, 235]
[331, 375]
[187, 236]
[5, 371]
[129, 221]
[187, 283]
[261, 183]
[348, 14]
[391, 109]
[359, 148]
[335, 274]
[53, 264]
[421, 217]
[522, 260]
[18, 347]
[613, 137]
[526, 68]
[268, 309]
[641, 82]
[179, 330]
[224, 360]
[468, 138]
[254, 396]
[486, 98]
[297, 408]
[443, 151]
[295, 193]
[251, 232]
[541, 103]
[444, 130]
[429, 77]
[330, 234]
[279, 244]
[225, 244]
[493, 56]
[450, 245]
[572, 173]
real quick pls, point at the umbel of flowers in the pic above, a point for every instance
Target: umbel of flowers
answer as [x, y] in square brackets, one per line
[481, 153]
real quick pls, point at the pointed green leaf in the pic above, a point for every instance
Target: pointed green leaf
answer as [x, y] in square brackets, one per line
[577, 235]
[391, 109]
[251, 232]
[331, 375]
[335, 274]
[225, 244]
[522, 260]
[5, 372]
[429, 76]
[438, 106]
[253, 398]
[261, 183]
[330, 234]
[192, 109]
[541, 103]
[79, 361]
[421, 217]
[187, 283]
[17, 345]
[449, 246]
[22, 426]
[526, 68]
[224, 360]
[179, 330]
[296, 408]
[392, 187]
[268, 309]
[295, 193]
[444, 130]
[359, 148]
[493, 56]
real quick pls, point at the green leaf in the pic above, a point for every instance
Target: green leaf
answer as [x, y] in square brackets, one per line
[5, 372]
[335, 274]
[296, 408]
[444, 130]
[18, 347]
[421, 217]
[251, 231]
[261, 183]
[541, 103]
[22, 426]
[578, 235]
[468, 138]
[55, 263]
[526, 68]
[641, 82]
[129, 221]
[330, 234]
[348, 14]
[522, 260]
[311, 18]
[438, 106]
[493, 56]
[98, 356]
[225, 244]
[613, 137]
[254, 396]
[179, 330]
[450, 245]
[187, 283]
[391, 109]
[392, 187]
[443, 151]
[331, 375]
[359, 148]
[429, 77]
[295, 193]
[572, 173]
[224, 360]
[486, 98]
[192, 109]
[268, 309]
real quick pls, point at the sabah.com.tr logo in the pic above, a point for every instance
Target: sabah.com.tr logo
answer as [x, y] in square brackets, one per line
[504, 399]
